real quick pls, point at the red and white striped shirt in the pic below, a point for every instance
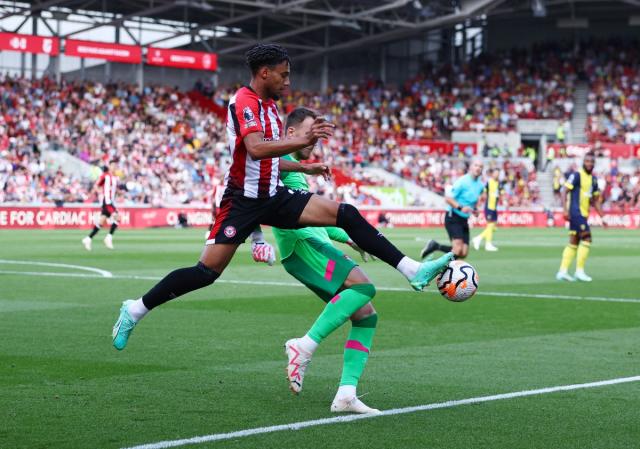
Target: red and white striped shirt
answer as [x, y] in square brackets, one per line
[248, 113]
[109, 183]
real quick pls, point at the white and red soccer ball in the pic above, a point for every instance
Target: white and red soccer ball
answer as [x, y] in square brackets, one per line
[458, 282]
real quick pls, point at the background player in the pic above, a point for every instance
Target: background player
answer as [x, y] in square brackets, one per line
[580, 193]
[462, 202]
[107, 184]
[490, 211]
[308, 255]
[255, 195]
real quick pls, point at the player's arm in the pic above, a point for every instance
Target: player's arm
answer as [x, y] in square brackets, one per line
[568, 185]
[308, 169]
[565, 203]
[259, 149]
[339, 235]
[95, 189]
[596, 202]
[481, 199]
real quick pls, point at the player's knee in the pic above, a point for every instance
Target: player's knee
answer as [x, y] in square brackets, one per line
[207, 275]
[367, 290]
[348, 214]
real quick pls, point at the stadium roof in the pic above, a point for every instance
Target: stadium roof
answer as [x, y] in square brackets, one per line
[309, 28]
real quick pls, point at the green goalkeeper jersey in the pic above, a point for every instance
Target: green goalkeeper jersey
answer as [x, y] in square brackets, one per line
[286, 239]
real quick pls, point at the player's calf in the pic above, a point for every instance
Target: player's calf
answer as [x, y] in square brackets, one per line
[174, 284]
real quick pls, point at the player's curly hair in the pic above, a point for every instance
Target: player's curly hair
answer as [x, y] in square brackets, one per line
[261, 55]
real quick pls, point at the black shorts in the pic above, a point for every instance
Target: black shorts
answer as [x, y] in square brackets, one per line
[238, 216]
[490, 215]
[108, 210]
[457, 227]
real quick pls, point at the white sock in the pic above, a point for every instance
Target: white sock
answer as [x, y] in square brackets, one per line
[346, 392]
[307, 344]
[408, 267]
[137, 309]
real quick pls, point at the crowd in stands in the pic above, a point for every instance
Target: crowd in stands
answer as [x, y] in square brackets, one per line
[613, 107]
[166, 150]
[170, 149]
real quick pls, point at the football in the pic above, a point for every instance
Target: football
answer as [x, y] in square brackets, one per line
[458, 282]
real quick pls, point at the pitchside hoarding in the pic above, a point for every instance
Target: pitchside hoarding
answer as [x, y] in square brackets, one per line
[85, 217]
[25, 43]
[130, 217]
[129, 54]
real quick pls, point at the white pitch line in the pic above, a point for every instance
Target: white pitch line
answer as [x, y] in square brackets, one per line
[102, 273]
[396, 411]
[294, 284]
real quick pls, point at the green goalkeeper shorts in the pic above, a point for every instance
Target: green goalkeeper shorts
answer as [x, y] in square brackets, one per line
[320, 266]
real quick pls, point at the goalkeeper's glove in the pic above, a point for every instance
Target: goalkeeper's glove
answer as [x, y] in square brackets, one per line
[261, 250]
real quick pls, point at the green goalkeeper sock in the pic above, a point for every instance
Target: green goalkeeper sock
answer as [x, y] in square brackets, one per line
[356, 350]
[339, 309]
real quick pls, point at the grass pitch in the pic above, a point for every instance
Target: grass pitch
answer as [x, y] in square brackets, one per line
[212, 362]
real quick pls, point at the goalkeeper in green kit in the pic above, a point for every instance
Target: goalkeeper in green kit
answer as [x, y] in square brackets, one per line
[308, 255]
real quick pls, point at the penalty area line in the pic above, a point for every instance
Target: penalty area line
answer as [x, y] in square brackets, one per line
[396, 411]
[295, 284]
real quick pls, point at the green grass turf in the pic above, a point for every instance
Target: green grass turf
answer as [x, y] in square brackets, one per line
[212, 361]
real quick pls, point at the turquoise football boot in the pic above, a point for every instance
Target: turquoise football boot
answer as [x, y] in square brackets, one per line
[123, 327]
[428, 270]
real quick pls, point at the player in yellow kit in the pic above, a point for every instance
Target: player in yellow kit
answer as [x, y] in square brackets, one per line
[490, 212]
[580, 193]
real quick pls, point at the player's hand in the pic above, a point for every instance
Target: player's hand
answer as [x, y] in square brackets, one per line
[365, 255]
[565, 214]
[604, 223]
[466, 210]
[263, 252]
[318, 168]
[321, 129]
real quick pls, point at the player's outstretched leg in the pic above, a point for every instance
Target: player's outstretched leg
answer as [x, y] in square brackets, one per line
[337, 311]
[372, 241]
[175, 284]
[356, 354]
[433, 246]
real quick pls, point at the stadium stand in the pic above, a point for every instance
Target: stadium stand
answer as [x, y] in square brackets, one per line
[169, 146]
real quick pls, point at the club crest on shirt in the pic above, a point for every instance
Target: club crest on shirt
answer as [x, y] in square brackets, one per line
[229, 231]
[247, 113]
